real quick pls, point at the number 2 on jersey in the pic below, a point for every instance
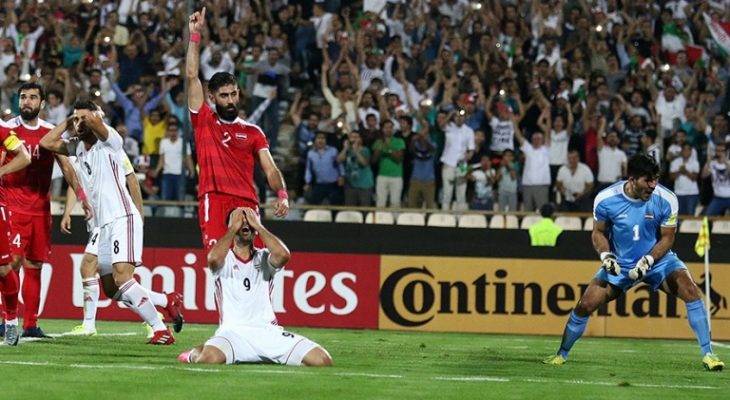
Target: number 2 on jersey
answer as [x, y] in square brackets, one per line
[636, 233]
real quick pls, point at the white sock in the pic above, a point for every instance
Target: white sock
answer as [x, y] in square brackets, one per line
[91, 301]
[158, 299]
[138, 299]
[13, 321]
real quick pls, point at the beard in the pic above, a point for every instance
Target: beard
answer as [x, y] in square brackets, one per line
[227, 113]
[29, 113]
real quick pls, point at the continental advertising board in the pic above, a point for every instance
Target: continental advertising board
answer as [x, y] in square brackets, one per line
[367, 291]
[490, 295]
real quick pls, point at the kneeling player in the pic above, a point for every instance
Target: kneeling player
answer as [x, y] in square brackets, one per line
[243, 277]
[635, 223]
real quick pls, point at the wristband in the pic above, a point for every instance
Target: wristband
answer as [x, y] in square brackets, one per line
[607, 254]
[195, 37]
[80, 194]
[282, 194]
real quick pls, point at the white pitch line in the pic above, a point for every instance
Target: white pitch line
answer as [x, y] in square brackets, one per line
[471, 378]
[474, 378]
[368, 375]
[98, 334]
[723, 345]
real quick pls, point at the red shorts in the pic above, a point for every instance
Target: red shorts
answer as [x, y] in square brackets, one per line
[4, 237]
[30, 236]
[213, 209]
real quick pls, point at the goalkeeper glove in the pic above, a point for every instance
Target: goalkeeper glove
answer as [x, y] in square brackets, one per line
[609, 263]
[644, 265]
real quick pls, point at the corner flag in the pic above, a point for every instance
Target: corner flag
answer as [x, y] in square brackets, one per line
[703, 239]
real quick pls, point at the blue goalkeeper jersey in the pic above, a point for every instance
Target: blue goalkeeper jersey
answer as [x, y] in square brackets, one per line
[633, 225]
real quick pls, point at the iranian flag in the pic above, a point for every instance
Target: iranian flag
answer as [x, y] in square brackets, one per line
[674, 40]
[720, 33]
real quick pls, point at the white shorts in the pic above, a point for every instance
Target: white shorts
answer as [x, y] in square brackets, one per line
[92, 247]
[120, 241]
[261, 345]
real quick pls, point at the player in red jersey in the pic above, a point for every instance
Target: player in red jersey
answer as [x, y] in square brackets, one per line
[26, 196]
[227, 147]
[9, 285]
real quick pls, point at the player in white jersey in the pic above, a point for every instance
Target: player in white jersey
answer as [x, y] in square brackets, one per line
[170, 302]
[120, 223]
[248, 332]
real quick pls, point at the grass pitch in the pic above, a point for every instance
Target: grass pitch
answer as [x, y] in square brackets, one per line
[368, 365]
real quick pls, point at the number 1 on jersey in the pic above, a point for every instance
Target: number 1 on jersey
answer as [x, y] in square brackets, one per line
[636, 233]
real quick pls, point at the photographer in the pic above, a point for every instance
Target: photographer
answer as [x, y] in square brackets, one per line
[359, 180]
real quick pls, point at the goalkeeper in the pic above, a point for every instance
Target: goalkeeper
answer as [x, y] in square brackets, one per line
[635, 224]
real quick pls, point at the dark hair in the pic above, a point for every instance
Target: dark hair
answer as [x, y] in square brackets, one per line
[547, 210]
[220, 79]
[643, 165]
[31, 86]
[56, 93]
[651, 134]
[85, 104]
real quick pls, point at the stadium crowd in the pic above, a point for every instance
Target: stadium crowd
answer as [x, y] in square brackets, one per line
[501, 104]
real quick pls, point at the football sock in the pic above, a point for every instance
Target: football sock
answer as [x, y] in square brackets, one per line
[137, 298]
[573, 331]
[91, 301]
[697, 316]
[31, 296]
[158, 299]
[9, 286]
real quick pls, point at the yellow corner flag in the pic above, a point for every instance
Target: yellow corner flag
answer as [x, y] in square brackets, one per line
[703, 239]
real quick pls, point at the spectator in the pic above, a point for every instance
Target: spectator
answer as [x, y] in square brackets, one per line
[136, 108]
[670, 109]
[612, 161]
[422, 189]
[684, 171]
[458, 149]
[154, 128]
[484, 178]
[503, 128]
[632, 136]
[359, 180]
[675, 149]
[175, 157]
[557, 135]
[324, 175]
[575, 184]
[507, 181]
[388, 154]
[719, 169]
[536, 175]
[651, 147]
[272, 76]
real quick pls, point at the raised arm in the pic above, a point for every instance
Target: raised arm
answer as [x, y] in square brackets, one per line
[93, 121]
[69, 173]
[192, 61]
[52, 140]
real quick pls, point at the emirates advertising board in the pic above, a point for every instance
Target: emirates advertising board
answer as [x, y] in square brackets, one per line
[365, 291]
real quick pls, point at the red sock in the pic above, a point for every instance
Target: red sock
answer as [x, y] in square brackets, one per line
[31, 296]
[9, 288]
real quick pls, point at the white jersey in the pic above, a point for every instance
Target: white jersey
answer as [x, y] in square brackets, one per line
[101, 172]
[243, 291]
[79, 168]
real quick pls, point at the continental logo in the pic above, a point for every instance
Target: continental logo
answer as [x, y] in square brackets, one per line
[413, 296]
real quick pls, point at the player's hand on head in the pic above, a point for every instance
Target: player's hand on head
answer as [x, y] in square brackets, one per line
[252, 217]
[237, 219]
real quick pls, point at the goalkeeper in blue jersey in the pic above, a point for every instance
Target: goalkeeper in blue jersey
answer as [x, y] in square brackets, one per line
[634, 228]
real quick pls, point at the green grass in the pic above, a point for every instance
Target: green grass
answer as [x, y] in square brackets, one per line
[369, 365]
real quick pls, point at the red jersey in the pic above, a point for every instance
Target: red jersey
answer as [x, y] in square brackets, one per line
[28, 191]
[227, 153]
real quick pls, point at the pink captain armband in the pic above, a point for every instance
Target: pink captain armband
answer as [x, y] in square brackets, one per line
[195, 37]
[80, 194]
[282, 194]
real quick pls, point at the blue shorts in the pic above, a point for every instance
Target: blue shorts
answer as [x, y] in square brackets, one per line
[654, 278]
